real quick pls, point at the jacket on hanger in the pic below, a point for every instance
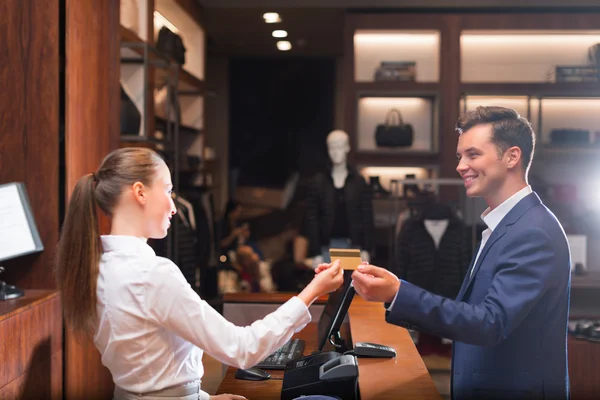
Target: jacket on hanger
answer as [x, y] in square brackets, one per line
[321, 211]
[428, 261]
[187, 256]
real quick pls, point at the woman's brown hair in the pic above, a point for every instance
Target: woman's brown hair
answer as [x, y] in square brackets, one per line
[79, 248]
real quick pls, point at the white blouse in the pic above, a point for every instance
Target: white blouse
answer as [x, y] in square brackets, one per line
[153, 327]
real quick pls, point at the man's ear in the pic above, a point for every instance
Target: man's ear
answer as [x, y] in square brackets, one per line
[513, 155]
[139, 192]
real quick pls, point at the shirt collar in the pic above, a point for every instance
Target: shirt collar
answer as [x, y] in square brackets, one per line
[126, 244]
[492, 218]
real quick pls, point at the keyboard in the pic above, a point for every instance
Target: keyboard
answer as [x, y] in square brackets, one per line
[291, 351]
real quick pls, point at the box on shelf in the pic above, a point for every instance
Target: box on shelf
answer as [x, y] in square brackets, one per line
[396, 71]
[576, 73]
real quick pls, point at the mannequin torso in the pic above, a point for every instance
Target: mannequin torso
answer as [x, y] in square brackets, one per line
[339, 173]
[344, 217]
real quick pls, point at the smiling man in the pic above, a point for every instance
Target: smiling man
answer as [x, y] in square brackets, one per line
[509, 320]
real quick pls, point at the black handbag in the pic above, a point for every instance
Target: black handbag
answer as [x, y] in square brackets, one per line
[394, 133]
[131, 117]
[171, 44]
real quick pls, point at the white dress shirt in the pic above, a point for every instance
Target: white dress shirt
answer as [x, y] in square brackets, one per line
[152, 327]
[494, 217]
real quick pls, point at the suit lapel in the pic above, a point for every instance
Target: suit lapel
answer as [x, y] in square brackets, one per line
[461, 292]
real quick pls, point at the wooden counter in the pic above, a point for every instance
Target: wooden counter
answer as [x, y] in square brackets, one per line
[404, 377]
[264, 298]
[31, 356]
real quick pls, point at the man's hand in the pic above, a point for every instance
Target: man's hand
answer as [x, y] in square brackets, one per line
[227, 397]
[375, 284]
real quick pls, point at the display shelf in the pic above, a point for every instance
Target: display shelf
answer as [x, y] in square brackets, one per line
[525, 56]
[371, 47]
[132, 18]
[569, 113]
[574, 89]
[420, 112]
[186, 25]
[521, 104]
[127, 35]
[187, 83]
[550, 151]
[383, 87]
[161, 125]
[377, 158]
[387, 174]
[591, 280]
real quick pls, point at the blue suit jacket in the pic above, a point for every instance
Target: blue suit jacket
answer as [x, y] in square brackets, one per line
[509, 320]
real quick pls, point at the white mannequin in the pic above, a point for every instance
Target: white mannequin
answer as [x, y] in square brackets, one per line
[338, 147]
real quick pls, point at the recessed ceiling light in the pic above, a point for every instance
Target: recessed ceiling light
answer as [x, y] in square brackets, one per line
[284, 45]
[279, 34]
[271, 17]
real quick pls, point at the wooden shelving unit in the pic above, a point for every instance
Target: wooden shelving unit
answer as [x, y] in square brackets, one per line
[479, 64]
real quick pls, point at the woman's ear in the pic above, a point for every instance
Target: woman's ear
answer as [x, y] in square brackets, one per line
[139, 192]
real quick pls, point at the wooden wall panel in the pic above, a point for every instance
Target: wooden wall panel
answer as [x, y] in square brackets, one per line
[92, 131]
[92, 85]
[29, 122]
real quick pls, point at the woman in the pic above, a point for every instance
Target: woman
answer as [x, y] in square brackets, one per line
[149, 325]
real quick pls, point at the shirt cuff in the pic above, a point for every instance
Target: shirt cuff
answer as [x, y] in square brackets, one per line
[395, 297]
[298, 311]
[202, 395]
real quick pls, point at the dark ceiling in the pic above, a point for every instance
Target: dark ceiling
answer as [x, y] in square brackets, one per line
[242, 31]
[315, 27]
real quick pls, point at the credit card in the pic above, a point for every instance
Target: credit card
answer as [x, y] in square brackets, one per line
[349, 258]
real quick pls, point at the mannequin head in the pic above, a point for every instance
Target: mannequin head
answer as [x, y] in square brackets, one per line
[338, 146]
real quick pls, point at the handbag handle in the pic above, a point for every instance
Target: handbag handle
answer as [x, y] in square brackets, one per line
[390, 117]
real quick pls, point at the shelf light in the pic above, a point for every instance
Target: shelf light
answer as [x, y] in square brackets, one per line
[284, 45]
[387, 102]
[396, 38]
[529, 39]
[271, 18]
[160, 21]
[279, 33]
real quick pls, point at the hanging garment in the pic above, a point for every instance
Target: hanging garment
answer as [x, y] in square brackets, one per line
[435, 262]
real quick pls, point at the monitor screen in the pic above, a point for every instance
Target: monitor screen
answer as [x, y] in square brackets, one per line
[335, 311]
[18, 232]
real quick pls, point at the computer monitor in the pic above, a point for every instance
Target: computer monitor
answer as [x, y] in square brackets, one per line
[334, 313]
[18, 232]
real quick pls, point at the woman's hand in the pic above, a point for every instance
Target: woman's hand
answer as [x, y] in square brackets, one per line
[327, 281]
[227, 397]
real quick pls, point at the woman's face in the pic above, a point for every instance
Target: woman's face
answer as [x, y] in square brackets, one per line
[159, 208]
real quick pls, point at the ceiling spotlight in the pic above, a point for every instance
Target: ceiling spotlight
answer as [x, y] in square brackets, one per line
[284, 45]
[271, 17]
[279, 34]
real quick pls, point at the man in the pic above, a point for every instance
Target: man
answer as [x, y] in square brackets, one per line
[509, 320]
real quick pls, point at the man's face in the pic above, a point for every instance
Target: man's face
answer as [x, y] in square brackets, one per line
[479, 165]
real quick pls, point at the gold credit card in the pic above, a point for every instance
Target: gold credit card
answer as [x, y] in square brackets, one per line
[349, 258]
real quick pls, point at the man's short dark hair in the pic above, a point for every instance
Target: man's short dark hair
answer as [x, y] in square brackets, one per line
[508, 129]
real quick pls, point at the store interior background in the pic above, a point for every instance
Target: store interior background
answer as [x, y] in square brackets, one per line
[257, 119]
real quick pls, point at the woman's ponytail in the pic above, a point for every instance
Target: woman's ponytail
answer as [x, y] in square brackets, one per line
[79, 256]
